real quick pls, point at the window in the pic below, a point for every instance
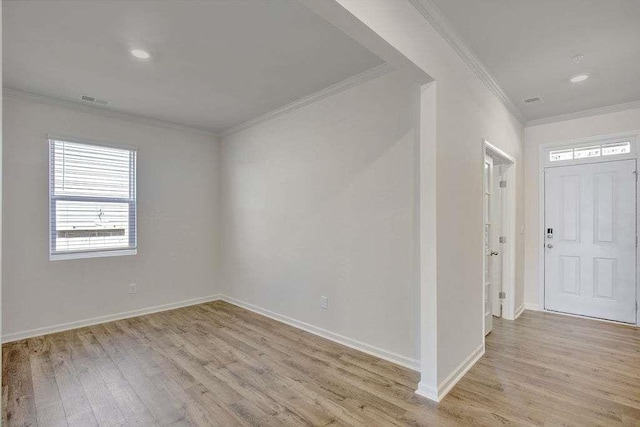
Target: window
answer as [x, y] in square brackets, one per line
[558, 155]
[616, 148]
[590, 151]
[586, 152]
[92, 199]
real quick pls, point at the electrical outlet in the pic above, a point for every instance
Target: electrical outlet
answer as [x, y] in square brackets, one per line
[324, 302]
[133, 288]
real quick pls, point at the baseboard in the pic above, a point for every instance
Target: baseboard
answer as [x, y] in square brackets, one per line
[104, 319]
[398, 359]
[455, 376]
[445, 386]
[531, 306]
[392, 357]
[519, 311]
[429, 392]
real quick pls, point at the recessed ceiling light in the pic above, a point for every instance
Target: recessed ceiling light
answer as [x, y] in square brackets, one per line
[140, 54]
[579, 78]
[578, 58]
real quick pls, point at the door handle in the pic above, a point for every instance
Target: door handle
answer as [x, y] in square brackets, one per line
[549, 245]
[494, 253]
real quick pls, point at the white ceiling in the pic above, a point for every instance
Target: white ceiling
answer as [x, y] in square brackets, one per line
[214, 64]
[528, 45]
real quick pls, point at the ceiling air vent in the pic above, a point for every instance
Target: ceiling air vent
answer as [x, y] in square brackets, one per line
[94, 100]
[533, 100]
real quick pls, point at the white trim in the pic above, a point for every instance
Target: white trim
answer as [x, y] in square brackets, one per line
[541, 221]
[509, 226]
[459, 372]
[585, 113]
[430, 393]
[531, 306]
[131, 202]
[56, 136]
[445, 386]
[105, 112]
[398, 359]
[519, 311]
[495, 150]
[487, 187]
[15, 336]
[434, 16]
[598, 140]
[427, 254]
[102, 253]
[353, 81]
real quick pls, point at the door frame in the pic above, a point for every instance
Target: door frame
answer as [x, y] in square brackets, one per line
[633, 137]
[509, 231]
[488, 211]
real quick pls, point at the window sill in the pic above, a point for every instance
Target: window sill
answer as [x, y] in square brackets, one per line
[97, 254]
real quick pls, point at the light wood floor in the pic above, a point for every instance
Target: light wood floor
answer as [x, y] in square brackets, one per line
[216, 364]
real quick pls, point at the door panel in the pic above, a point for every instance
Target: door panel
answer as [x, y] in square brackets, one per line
[570, 274]
[590, 259]
[603, 200]
[604, 276]
[570, 208]
[498, 214]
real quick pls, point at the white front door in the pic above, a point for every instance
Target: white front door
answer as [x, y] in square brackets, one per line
[488, 244]
[590, 240]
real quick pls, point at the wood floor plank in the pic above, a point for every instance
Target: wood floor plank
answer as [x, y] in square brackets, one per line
[49, 407]
[158, 403]
[20, 402]
[219, 412]
[129, 404]
[102, 402]
[217, 364]
[74, 399]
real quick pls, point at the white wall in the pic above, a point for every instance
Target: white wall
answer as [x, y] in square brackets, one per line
[324, 199]
[1, 185]
[467, 111]
[320, 201]
[562, 131]
[177, 221]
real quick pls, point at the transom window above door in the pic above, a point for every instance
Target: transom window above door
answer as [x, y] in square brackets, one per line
[590, 151]
[92, 199]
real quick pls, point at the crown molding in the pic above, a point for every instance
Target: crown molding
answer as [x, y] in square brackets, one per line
[8, 92]
[585, 113]
[434, 16]
[356, 80]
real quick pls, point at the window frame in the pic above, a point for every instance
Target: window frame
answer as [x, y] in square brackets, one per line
[132, 249]
[594, 142]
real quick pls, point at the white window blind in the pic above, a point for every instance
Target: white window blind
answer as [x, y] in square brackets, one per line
[92, 199]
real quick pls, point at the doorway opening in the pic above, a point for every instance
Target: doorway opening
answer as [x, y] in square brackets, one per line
[588, 228]
[499, 215]
[590, 250]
